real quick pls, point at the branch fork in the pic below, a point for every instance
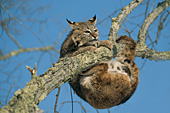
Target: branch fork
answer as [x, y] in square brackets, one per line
[32, 71]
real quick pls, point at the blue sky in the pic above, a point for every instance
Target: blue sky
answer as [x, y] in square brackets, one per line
[153, 92]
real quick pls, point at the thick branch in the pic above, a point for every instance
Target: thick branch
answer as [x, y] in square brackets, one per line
[26, 99]
[144, 52]
[151, 54]
[117, 21]
[149, 20]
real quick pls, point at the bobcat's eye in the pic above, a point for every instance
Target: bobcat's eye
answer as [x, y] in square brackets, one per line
[86, 31]
[95, 30]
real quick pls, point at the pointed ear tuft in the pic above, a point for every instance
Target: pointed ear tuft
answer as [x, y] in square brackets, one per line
[93, 20]
[70, 22]
[73, 25]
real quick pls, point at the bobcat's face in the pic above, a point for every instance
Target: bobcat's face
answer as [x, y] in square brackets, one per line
[84, 32]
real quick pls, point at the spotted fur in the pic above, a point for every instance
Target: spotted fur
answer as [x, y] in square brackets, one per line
[82, 33]
[108, 83]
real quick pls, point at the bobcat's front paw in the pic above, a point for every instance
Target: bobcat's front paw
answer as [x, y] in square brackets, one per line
[93, 43]
[85, 49]
[92, 49]
[106, 43]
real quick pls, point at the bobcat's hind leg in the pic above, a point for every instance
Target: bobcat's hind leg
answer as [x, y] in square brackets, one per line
[106, 43]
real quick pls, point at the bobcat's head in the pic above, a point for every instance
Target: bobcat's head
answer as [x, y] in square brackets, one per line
[84, 32]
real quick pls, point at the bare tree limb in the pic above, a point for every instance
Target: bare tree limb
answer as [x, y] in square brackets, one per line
[32, 71]
[152, 55]
[83, 108]
[16, 52]
[10, 35]
[55, 106]
[149, 20]
[26, 99]
[142, 49]
[21, 23]
[117, 21]
[160, 26]
[9, 92]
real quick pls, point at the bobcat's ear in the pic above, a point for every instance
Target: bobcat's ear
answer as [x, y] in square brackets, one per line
[93, 20]
[73, 25]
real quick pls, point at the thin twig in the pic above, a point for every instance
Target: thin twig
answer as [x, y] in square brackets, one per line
[6, 102]
[1, 53]
[71, 99]
[147, 6]
[135, 16]
[1, 20]
[152, 42]
[10, 35]
[106, 13]
[108, 110]
[112, 14]
[97, 110]
[61, 104]
[160, 26]
[153, 5]
[1, 103]
[126, 29]
[143, 64]
[21, 23]
[55, 107]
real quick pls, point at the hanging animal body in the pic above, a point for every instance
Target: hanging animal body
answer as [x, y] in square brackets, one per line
[108, 83]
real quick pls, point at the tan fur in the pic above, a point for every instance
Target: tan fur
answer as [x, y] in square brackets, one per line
[109, 87]
[108, 83]
[82, 33]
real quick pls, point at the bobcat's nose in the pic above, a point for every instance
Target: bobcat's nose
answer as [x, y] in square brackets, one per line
[95, 37]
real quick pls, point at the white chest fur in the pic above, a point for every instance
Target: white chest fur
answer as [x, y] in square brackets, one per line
[85, 81]
[115, 67]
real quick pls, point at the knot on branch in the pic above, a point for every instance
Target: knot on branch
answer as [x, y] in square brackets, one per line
[165, 2]
[33, 71]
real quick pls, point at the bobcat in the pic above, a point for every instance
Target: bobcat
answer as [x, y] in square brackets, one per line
[83, 37]
[108, 83]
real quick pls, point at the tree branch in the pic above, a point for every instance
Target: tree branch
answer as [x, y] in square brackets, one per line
[26, 99]
[142, 49]
[151, 54]
[117, 21]
[21, 23]
[10, 35]
[16, 52]
[149, 20]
